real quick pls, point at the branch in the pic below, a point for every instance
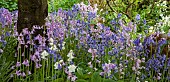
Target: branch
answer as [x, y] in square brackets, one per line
[125, 13]
[110, 6]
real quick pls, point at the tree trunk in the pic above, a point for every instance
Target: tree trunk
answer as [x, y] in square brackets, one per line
[30, 13]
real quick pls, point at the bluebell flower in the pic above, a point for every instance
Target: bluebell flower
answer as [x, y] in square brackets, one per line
[55, 57]
[7, 34]
[75, 9]
[110, 53]
[70, 14]
[162, 42]
[144, 21]
[138, 17]
[136, 42]
[115, 51]
[168, 64]
[91, 16]
[148, 41]
[113, 22]
[119, 15]
[28, 37]
[5, 17]
[143, 76]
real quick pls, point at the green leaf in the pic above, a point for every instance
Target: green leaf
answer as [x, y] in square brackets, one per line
[120, 81]
[110, 80]
[59, 80]
[96, 77]
[81, 80]
[80, 71]
[86, 76]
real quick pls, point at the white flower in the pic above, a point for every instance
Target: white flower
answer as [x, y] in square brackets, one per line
[44, 54]
[72, 68]
[61, 61]
[70, 55]
[56, 65]
[51, 41]
[53, 47]
[63, 45]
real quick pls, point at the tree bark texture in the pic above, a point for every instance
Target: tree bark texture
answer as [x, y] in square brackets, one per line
[31, 12]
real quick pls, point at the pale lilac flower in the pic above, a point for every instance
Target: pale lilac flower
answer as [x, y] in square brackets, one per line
[33, 57]
[38, 65]
[26, 62]
[93, 52]
[29, 72]
[23, 74]
[13, 67]
[23, 54]
[107, 68]
[158, 77]
[18, 73]
[18, 64]
[73, 78]
[25, 31]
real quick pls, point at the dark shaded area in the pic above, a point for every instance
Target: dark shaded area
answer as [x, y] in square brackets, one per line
[31, 12]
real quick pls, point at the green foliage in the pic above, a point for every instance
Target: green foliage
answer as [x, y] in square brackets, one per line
[83, 72]
[96, 77]
[59, 80]
[9, 4]
[81, 80]
[7, 59]
[54, 5]
[148, 9]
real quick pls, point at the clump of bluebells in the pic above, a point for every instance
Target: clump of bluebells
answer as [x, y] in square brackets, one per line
[79, 46]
